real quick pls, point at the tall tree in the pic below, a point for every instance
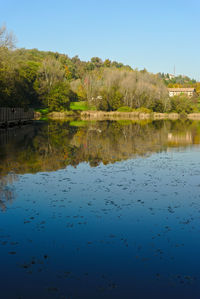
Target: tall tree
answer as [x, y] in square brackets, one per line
[50, 73]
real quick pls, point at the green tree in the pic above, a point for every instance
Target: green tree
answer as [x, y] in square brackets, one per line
[59, 97]
[97, 62]
[50, 74]
[107, 63]
[183, 104]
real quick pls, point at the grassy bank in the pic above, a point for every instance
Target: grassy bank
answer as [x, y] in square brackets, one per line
[81, 110]
[80, 106]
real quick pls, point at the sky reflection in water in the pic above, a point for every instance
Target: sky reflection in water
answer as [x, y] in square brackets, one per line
[126, 228]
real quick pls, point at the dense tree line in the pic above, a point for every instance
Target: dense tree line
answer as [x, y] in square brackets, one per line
[37, 78]
[33, 78]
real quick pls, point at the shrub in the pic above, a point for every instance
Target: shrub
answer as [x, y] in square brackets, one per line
[183, 115]
[59, 97]
[110, 100]
[158, 106]
[182, 103]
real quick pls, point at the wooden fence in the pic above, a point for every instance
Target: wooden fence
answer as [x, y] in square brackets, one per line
[15, 115]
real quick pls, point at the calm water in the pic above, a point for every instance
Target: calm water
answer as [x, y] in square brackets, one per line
[100, 210]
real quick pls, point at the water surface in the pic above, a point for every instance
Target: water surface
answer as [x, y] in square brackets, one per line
[100, 210]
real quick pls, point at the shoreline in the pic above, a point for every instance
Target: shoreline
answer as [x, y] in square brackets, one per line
[115, 115]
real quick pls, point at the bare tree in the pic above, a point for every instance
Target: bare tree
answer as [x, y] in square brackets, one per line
[7, 39]
[50, 72]
[138, 89]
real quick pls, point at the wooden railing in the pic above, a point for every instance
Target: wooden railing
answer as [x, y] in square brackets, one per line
[9, 115]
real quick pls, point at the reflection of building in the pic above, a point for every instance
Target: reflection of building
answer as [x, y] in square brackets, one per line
[180, 139]
[177, 91]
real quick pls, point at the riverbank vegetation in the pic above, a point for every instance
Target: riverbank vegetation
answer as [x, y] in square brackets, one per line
[51, 81]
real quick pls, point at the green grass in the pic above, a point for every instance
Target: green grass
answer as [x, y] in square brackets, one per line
[43, 111]
[81, 106]
[74, 106]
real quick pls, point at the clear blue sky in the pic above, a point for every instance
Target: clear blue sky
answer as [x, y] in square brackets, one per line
[146, 33]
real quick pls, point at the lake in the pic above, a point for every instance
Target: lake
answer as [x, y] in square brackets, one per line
[100, 210]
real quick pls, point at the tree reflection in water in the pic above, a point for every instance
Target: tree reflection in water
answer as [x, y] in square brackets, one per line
[49, 146]
[6, 191]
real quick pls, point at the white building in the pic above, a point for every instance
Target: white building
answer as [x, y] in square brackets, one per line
[177, 91]
[171, 76]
